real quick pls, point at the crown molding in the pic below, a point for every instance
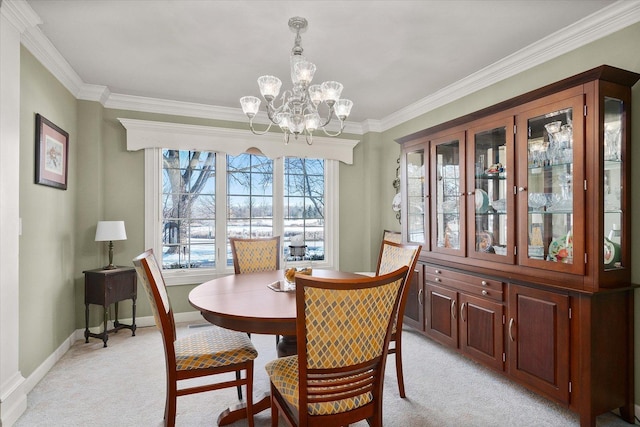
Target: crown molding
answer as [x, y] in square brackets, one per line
[19, 14]
[607, 21]
[610, 19]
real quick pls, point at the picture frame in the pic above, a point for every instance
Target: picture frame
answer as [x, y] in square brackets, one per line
[51, 153]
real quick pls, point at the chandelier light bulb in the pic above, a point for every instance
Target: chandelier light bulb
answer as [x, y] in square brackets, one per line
[315, 94]
[312, 121]
[343, 108]
[269, 87]
[299, 111]
[304, 71]
[331, 92]
[250, 105]
[283, 121]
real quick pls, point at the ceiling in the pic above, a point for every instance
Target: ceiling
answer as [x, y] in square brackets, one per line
[388, 54]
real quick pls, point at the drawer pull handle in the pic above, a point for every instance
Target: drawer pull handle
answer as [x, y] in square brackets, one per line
[484, 283]
[484, 292]
[420, 297]
[453, 309]
[462, 308]
[511, 321]
[437, 271]
[437, 279]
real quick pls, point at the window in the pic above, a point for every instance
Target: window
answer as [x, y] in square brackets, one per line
[188, 209]
[197, 197]
[249, 198]
[304, 205]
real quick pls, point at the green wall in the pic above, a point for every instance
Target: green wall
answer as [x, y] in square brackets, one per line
[106, 183]
[47, 244]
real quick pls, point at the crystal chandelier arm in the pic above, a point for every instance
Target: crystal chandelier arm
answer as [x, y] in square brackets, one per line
[255, 132]
[334, 134]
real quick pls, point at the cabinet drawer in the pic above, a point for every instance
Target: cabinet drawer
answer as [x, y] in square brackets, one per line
[470, 284]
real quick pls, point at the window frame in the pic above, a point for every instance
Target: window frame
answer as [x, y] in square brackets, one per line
[153, 215]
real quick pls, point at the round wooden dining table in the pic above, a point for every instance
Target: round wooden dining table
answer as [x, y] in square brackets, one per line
[246, 303]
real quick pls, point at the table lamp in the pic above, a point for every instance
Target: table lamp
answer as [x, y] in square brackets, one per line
[110, 231]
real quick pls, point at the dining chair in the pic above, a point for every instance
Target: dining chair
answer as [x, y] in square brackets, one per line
[343, 329]
[392, 256]
[212, 351]
[254, 255]
[392, 236]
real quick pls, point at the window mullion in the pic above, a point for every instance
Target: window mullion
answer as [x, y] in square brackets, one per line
[221, 213]
[278, 197]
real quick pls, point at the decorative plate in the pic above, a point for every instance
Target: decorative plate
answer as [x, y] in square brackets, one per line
[556, 247]
[611, 252]
[482, 201]
[395, 205]
[484, 241]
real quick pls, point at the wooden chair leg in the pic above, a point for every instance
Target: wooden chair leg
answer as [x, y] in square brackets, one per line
[249, 401]
[399, 374]
[239, 387]
[274, 410]
[170, 404]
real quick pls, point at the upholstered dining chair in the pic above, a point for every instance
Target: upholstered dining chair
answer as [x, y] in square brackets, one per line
[343, 329]
[253, 255]
[212, 351]
[392, 236]
[392, 256]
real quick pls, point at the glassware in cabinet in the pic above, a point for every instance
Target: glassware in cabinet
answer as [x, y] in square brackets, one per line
[551, 201]
[447, 194]
[490, 206]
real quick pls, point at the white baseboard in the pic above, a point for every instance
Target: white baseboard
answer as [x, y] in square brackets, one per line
[13, 402]
[42, 370]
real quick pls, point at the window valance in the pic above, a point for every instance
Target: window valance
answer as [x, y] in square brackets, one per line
[143, 134]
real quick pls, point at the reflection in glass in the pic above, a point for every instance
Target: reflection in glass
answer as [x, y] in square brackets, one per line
[415, 197]
[448, 195]
[613, 180]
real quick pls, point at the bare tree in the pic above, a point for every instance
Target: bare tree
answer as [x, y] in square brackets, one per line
[185, 186]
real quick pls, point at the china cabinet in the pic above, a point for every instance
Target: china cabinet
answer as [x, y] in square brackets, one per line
[523, 210]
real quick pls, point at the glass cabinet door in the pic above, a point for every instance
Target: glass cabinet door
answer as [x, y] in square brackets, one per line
[490, 196]
[613, 183]
[447, 195]
[415, 191]
[551, 187]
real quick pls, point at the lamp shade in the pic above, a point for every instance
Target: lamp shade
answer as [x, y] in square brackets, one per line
[110, 230]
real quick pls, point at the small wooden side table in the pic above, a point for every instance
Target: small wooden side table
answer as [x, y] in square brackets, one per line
[105, 287]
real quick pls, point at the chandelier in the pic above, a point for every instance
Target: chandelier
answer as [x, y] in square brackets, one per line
[298, 109]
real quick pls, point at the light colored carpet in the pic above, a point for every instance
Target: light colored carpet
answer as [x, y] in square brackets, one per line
[123, 385]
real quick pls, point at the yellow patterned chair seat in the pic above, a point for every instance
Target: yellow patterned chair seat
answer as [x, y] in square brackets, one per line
[284, 376]
[212, 348]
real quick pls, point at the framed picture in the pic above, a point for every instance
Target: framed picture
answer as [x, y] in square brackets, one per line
[52, 154]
